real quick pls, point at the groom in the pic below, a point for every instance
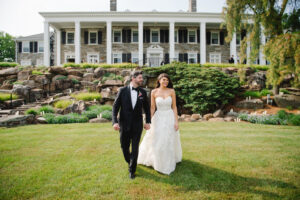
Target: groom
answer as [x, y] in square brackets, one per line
[131, 100]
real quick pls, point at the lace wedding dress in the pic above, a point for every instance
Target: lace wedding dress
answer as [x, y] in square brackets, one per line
[161, 147]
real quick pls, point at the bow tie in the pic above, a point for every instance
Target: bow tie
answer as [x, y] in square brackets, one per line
[136, 89]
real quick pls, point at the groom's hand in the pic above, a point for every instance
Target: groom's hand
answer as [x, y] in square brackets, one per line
[147, 126]
[116, 126]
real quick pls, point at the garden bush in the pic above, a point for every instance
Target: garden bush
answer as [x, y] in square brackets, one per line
[63, 119]
[95, 110]
[6, 96]
[87, 96]
[46, 109]
[62, 104]
[107, 115]
[202, 89]
[8, 64]
[31, 111]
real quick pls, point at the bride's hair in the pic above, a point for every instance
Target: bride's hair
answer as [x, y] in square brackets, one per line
[170, 85]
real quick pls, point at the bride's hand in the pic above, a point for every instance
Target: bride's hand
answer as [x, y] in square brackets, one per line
[176, 126]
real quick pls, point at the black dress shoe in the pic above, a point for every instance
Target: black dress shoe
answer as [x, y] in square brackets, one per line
[131, 175]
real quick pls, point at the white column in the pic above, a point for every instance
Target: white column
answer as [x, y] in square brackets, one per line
[77, 43]
[141, 43]
[262, 60]
[248, 49]
[203, 42]
[46, 45]
[58, 46]
[233, 48]
[108, 42]
[172, 43]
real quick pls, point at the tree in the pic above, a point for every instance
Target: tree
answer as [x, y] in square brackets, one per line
[268, 14]
[7, 47]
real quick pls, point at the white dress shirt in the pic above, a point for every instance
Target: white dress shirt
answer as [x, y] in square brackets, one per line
[133, 96]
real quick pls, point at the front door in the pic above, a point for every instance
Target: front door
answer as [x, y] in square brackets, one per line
[154, 60]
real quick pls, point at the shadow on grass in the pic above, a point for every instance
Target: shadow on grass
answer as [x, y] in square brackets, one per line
[191, 176]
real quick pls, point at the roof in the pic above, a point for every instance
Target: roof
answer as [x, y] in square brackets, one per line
[36, 37]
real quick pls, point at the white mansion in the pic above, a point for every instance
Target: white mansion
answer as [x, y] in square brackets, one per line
[150, 38]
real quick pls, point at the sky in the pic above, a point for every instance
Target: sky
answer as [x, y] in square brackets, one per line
[21, 17]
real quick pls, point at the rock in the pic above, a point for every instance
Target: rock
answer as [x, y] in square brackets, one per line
[58, 77]
[218, 113]
[16, 120]
[208, 116]
[9, 71]
[98, 120]
[24, 75]
[14, 103]
[126, 80]
[76, 73]
[36, 94]
[217, 119]
[286, 100]
[77, 107]
[30, 83]
[231, 113]
[113, 70]
[41, 120]
[230, 70]
[58, 70]
[21, 90]
[89, 70]
[106, 93]
[250, 104]
[195, 116]
[78, 78]
[99, 72]
[125, 72]
[229, 119]
[257, 81]
[112, 83]
[6, 86]
[42, 79]
[88, 77]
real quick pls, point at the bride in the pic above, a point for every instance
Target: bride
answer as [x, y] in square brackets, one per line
[161, 147]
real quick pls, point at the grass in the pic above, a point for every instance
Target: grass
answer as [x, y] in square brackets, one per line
[6, 96]
[62, 104]
[87, 96]
[84, 161]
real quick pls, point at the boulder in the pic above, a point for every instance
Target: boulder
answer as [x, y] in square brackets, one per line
[58, 70]
[125, 72]
[16, 120]
[286, 100]
[99, 72]
[41, 120]
[14, 103]
[195, 116]
[208, 116]
[75, 73]
[218, 113]
[250, 104]
[257, 81]
[88, 77]
[112, 83]
[78, 78]
[21, 90]
[77, 107]
[89, 70]
[24, 75]
[217, 119]
[229, 119]
[9, 71]
[98, 120]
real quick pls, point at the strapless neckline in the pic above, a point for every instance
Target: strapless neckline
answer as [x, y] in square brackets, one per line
[163, 97]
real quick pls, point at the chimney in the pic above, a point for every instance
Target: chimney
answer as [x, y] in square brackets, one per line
[113, 5]
[192, 5]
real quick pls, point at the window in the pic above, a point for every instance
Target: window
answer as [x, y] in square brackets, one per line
[176, 56]
[154, 36]
[93, 37]
[238, 39]
[117, 36]
[70, 38]
[26, 62]
[192, 58]
[215, 58]
[135, 36]
[117, 57]
[25, 47]
[92, 58]
[192, 36]
[41, 46]
[176, 36]
[215, 38]
[135, 58]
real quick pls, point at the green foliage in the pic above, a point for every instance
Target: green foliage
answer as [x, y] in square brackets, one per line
[257, 94]
[95, 110]
[96, 82]
[63, 119]
[107, 115]
[31, 111]
[62, 77]
[289, 107]
[202, 89]
[87, 96]
[8, 64]
[7, 47]
[62, 104]
[281, 118]
[284, 91]
[46, 109]
[285, 59]
[111, 76]
[72, 65]
[75, 81]
[6, 96]
[291, 20]
[36, 72]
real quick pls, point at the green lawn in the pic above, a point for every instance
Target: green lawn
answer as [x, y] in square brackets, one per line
[84, 161]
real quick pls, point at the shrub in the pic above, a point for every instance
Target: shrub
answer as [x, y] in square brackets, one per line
[31, 111]
[95, 110]
[6, 96]
[202, 89]
[289, 107]
[62, 104]
[36, 72]
[71, 65]
[295, 120]
[75, 81]
[103, 65]
[96, 82]
[107, 115]
[8, 64]
[62, 119]
[257, 94]
[62, 78]
[87, 96]
[46, 109]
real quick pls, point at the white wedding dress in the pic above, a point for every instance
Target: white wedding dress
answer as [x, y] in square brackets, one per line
[161, 147]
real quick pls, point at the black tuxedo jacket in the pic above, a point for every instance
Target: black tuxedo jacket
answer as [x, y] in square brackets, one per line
[131, 116]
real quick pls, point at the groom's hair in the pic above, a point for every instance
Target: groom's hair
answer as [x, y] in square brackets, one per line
[134, 74]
